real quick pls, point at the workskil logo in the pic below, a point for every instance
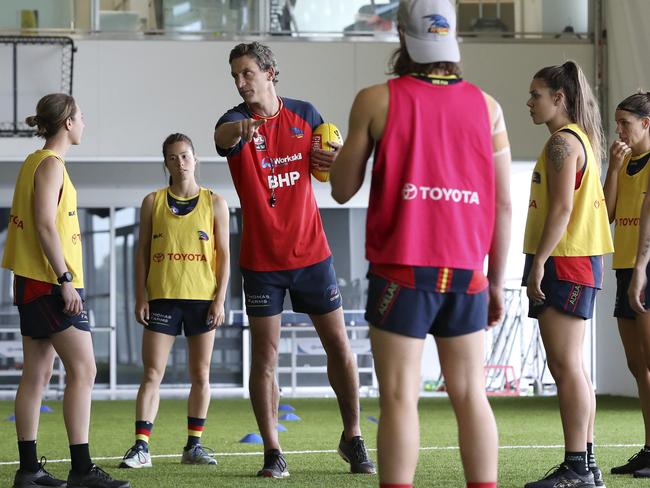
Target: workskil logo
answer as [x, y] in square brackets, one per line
[454, 195]
[270, 163]
[203, 236]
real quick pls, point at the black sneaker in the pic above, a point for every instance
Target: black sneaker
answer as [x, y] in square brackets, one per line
[96, 477]
[642, 473]
[275, 466]
[354, 452]
[25, 479]
[562, 476]
[598, 476]
[639, 461]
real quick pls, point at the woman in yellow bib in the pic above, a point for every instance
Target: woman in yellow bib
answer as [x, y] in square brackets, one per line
[43, 249]
[567, 234]
[182, 271]
[625, 185]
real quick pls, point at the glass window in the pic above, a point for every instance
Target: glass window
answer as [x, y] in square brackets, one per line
[335, 16]
[36, 14]
[216, 16]
[476, 18]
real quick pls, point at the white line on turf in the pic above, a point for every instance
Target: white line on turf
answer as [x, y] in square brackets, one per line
[326, 451]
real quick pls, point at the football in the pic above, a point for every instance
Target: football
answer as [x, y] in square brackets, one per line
[323, 134]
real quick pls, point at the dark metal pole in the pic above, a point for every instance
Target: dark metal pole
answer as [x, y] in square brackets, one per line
[15, 87]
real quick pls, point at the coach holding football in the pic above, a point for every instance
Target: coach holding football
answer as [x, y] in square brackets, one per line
[267, 140]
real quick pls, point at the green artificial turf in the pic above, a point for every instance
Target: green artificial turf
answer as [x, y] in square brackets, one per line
[523, 423]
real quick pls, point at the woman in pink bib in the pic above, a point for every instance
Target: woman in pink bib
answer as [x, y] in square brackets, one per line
[439, 203]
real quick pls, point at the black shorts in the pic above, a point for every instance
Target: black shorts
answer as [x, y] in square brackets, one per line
[563, 295]
[622, 309]
[313, 290]
[416, 313]
[172, 317]
[41, 318]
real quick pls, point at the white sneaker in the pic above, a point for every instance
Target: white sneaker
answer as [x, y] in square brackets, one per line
[197, 454]
[136, 457]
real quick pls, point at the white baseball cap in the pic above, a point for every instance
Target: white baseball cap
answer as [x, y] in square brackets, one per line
[429, 30]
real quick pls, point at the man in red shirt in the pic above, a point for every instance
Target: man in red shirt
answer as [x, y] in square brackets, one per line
[267, 140]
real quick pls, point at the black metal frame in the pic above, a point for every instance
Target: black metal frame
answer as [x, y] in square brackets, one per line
[16, 128]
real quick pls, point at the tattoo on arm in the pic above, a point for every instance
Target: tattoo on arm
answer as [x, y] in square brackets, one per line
[557, 151]
[646, 247]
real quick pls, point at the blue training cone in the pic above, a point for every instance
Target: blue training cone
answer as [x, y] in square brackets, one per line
[286, 408]
[11, 418]
[281, 428]
[374, 420]
[46, 409]
[289, 416]
[251, 439]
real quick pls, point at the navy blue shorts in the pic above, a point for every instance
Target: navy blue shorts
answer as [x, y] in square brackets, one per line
[622, 309]
[566, 296]
[44, 316]
[175, 316]
[416, 313]
[313, 290]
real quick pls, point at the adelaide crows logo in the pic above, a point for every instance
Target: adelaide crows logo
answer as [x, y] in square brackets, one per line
[439, 25]
[296, 132]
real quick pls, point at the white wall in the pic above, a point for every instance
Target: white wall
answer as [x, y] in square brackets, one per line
[628, 70]
[134, 93]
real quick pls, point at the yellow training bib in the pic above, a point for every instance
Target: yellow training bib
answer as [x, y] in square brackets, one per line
[182, 259]
[23, 252]
[587, 233]
[630, 194]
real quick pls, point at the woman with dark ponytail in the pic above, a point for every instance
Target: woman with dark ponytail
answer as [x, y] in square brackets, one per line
[43, 250]
[567, 234]
[182, 269]
[626, 182]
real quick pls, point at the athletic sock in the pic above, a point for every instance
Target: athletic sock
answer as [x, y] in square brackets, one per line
[646, 448]
[142, 433]
[577, 461]
[194, 430]
[80, 458]
[482, 484]
[27, 456]
[591, 456]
